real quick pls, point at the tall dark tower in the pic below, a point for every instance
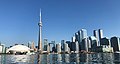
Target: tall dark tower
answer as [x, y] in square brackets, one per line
[95, 34]
[100, 35]
[40, 34]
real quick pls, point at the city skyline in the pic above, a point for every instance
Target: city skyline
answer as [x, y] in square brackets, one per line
[61, 19]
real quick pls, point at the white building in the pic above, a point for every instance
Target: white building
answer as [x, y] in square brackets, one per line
[67, 49]
[18, 49]
[2, 48]
[73, 39]
[58, 47]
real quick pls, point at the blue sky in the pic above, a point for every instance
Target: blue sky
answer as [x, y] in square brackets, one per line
[61, 19]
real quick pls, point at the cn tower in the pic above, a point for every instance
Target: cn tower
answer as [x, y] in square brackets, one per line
[40, 34]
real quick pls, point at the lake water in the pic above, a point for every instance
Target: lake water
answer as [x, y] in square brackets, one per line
[96, 58]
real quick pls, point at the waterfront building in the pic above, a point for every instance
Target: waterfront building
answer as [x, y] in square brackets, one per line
[33, 45]
[53, 48]
[67, 49]
[48, 48]
[105, 46]
[103, 49]
[82, 34]
[89, 44]
[73, 39]
[115, 43]
[18, 49]
[79, 37]
[95, 34]
[93, 42]
[29, 44]
[58, 47]
[77, 47]
[62, 45]
[105, 42]
[74, 47]
[69, 44]
[40, 34]
[2, 48]
[84, 46]
[76, 36]
[100, 31]
[45, 41]
[45, 44]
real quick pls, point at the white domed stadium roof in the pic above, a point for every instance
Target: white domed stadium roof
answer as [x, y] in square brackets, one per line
[19, 48]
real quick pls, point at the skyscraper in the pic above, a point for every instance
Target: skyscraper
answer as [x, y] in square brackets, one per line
[62, 45]
[45, 44]
[77, 46]
[84, 46]
[79, 37]
[58, 46]
[100, 35]
[45, 41]
[53, 47]
[93, 41]
[95, 34]
[32, 45]
[84, 33]
[89, 44]
[67, 49]
[73, 39]
[2, 48]
[40, 34]
[76, 36]
[105, 41]
[115, 43]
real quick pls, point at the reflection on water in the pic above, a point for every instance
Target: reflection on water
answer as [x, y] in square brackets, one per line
[97, 58]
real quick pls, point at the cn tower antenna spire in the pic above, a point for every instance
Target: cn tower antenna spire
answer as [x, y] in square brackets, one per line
[40, 16]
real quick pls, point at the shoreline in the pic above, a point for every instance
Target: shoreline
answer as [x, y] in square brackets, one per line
[57, 53]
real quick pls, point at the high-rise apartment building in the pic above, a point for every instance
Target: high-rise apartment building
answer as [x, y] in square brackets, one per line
[45, 44]
[58, 47]
[93, 41]
[95, 34]
[84, 33]
[33, 45]
[84, 46]
[115, 43]
[73, 39]
[52, 47]
[62, 44]
[76, 36]
[105, 41]
[2, 48]
[100, 31]
[67, 49]
[79, 37]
